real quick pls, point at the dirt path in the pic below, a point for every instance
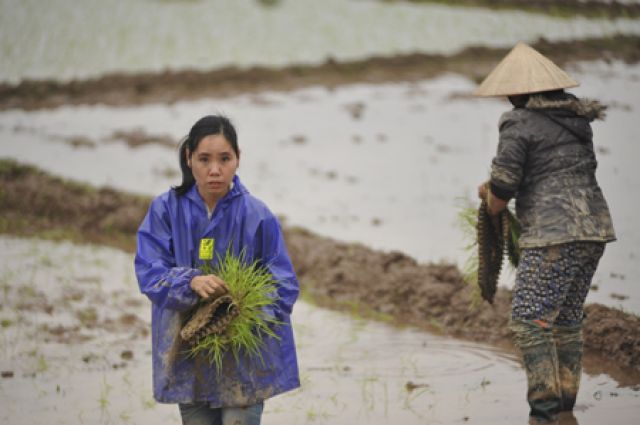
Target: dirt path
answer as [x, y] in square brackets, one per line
[333, 274]
[169, 87]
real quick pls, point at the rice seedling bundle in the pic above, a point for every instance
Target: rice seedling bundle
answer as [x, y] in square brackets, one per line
[489, 242]
[252, 288]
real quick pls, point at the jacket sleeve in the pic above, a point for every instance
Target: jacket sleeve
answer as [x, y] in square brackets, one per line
[165, 284]
[508, 164]
[276, 258]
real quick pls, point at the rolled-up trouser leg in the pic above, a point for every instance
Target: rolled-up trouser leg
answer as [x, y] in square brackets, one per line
[535, 341]
[568, 340]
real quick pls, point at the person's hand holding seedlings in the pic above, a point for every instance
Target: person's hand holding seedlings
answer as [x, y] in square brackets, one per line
[209, 286]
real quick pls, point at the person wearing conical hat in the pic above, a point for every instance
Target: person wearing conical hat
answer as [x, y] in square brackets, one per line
[546, 161]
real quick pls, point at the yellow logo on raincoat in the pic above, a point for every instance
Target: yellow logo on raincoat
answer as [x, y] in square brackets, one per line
[206, 248]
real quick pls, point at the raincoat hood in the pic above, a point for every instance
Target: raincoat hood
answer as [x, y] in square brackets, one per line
[588, 108]
[569, 111]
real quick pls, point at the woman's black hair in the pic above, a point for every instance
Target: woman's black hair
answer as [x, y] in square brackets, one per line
[205, 126]
[520, 100]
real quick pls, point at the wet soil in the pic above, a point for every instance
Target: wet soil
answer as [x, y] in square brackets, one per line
[384, 285]
[33, 203]
[170, 87]
[436, 298]
[590, 8]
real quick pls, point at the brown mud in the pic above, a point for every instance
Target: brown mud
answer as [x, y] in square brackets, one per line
[589, 8]
[33, 203]
[337, 275]
[173, 86]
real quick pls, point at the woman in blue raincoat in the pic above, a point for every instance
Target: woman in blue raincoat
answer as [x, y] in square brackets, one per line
[212, 204]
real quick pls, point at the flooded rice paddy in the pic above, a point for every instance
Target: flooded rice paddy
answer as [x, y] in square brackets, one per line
[384, 165]
[74, 340]
[67, 39]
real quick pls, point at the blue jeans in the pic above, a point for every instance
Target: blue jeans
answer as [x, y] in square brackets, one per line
[202, 414]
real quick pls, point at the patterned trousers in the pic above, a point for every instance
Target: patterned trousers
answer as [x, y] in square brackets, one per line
[552, 282]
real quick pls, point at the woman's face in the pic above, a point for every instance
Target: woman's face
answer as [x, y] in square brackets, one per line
[213, 164]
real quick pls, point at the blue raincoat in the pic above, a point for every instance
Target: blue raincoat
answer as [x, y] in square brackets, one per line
[167, 259]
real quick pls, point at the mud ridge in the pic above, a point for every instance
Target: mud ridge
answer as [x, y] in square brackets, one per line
[173, 86]
[334, 274]
[589, 8]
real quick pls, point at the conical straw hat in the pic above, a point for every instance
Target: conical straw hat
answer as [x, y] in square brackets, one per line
[524, 70]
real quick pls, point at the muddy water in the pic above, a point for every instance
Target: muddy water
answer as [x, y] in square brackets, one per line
[66, 39]
[377, 374]
[386, 164]
[74, 341]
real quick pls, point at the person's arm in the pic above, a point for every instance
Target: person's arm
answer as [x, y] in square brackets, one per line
[507, 167]
[165, 284]
[276, 258]
[494, 204]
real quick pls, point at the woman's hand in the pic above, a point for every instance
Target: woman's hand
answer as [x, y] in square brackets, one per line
[494, 205]
[208, 286]
[482, 191]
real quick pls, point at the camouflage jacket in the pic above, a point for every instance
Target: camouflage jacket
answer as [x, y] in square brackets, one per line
[546, 161]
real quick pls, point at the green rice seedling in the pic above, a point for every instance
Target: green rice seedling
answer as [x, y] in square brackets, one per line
[467, 222]
[410, 396]
[252, 288]
[311, 414]
[42, 365]
[147, 402]
[125, 417]
[104, 401]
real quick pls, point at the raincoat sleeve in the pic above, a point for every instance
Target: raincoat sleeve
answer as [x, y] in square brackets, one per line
[508, 164]
[276, 259]
[160, 279]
